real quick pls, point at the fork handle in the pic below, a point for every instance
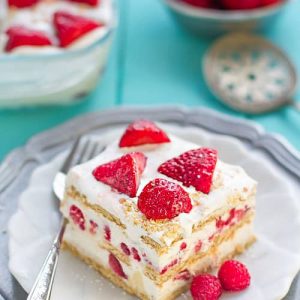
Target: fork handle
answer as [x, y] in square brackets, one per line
[43, 285]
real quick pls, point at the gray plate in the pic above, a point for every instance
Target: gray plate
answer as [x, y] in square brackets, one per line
[43, 147]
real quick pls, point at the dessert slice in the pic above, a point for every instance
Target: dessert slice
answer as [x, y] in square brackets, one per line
[151, 213]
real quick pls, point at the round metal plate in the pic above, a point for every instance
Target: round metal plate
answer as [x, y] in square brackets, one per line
[249, 73]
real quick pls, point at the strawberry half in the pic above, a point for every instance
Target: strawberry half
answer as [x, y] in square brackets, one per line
[70, 27]
[143, 132]
[22, 3]
[88, 2]
[123, 174]
[21, 36]
[193, 168]
[163, 199]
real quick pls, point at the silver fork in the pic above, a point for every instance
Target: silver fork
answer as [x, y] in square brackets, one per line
[81, 152]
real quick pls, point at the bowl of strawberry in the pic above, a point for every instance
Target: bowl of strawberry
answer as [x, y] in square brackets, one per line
[215, 17]
[53, 52]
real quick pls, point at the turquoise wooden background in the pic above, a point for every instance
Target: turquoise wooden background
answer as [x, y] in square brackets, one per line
[155, 62]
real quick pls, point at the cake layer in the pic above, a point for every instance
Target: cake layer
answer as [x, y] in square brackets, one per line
[137, 282]
[161, 258]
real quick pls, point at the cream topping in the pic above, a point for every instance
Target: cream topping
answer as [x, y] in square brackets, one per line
[233, 181]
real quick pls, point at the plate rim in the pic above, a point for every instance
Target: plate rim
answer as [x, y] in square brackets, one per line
[279, 149]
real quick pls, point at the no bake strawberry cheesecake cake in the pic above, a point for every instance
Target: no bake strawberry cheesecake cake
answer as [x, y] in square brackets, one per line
[39, 26]
[153, 210]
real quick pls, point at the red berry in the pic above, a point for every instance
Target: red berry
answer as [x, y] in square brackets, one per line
[77, 216]
[125, 249]
[240, 4]
[170, 265]
[89, 2]
[206, 287]
[116, 266]
[234, 276]
[269, 2]
[163, 199]
[107, 233]
[93, 227]
[143, 132]
[201, 3]
[183, 246]
[22, 3]
[123, 174]
[21, 36]
[70, 27]
[193, 168]
[135, 253]
[183, 275]
[198, 246]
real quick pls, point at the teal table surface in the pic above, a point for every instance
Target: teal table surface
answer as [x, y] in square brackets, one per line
[154, 62]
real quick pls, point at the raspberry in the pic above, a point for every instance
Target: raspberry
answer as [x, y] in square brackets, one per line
[269, 2]
[125, 249]
[193, 168]
[206, 287]
[183, 246]
[135, 254]
[170, 265]
[143, 132]
[123, 174]
[107, 233]
[88, 2]
[162, 199]
[77, 216]
[198, 246]
[234, 276]
[70, 27]
[240, 4]
[22, 3]
[93, 227]
[20, 36]
[116, 266]
[183, 275]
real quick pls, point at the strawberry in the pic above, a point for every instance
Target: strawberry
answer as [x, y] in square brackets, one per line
[116, 266]
[135, 254]
[234, 276]
[70, 27]
[107, 233]
[21, 36]
[206, 287]
[93, 227]
[193, 168]
[77, 216]
[201, 3]
[143, 132]
[22, 3]
[240, 4]
[163, 199]
[123, 174]
[269, 2]
[88, 2]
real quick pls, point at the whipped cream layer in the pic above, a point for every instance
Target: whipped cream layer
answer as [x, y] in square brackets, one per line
[39, 17]
[229, 182]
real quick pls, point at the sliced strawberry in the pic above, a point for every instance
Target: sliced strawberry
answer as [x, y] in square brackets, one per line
[88, 2]
[143, 132]
[163, 199]
[70, 27]
[22, 3]
[21, 36]
[77, 216]
[123, 174]
[116, 266]
[107, 233]
[135, 253]
[193, 168]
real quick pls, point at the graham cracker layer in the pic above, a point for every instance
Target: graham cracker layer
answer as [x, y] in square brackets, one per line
[170, 229]
[217, 240]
